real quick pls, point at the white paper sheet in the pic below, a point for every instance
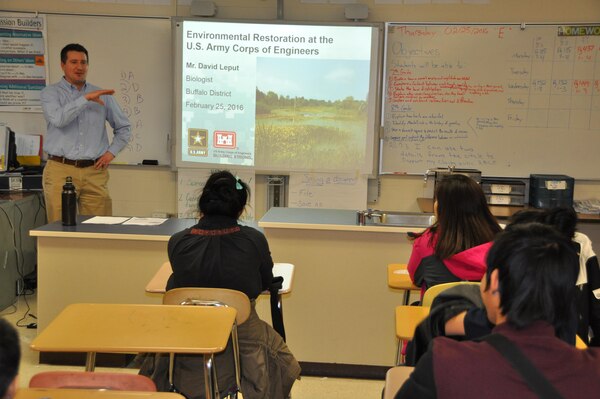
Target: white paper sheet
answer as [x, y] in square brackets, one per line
[145, 221]
[105, 220]
[28, 144]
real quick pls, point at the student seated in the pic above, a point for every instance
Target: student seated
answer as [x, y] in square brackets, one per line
[529, 294]
[473, 323]
[218, 252]
[454, 248]
[10, 355]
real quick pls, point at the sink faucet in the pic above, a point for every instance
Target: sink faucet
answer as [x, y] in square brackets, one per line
[361, 216]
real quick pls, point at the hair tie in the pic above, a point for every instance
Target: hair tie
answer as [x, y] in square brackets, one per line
[238, 185]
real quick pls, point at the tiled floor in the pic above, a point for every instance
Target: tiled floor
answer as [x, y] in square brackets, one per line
[306, 388]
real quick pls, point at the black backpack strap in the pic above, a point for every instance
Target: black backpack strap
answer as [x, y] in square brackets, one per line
[531, 375]
[276, 312]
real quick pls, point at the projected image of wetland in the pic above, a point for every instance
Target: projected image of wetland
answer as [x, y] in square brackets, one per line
[311, 114]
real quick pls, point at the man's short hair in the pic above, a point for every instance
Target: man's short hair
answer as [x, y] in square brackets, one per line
[537, 270]
[73, 47]
[10, 355]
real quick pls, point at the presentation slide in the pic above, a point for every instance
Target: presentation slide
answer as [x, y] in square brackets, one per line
[276, 97]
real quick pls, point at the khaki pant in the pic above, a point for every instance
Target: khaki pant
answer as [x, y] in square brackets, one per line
[91, 186]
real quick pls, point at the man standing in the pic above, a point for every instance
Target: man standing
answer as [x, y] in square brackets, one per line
[76, 138]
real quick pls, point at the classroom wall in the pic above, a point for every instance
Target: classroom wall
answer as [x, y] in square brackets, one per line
[139, 192]
[486, 11]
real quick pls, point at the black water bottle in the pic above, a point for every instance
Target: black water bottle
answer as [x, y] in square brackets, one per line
[69, 203]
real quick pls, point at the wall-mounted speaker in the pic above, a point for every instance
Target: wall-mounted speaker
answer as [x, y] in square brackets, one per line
[356, 12]
[203, 8]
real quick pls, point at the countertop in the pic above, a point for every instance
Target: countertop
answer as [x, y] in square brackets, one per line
[322, 219]
[161, 232]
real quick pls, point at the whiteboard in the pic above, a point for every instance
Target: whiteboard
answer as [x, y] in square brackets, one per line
[133, 57]
[505, 99]
[328, 190]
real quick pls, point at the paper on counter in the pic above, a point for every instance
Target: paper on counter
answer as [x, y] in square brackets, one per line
[145, 221]
[105, 220]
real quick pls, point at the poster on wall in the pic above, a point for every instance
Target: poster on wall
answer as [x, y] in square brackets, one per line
[23, 69]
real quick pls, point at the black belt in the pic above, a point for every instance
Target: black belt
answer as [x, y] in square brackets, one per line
[78, 163]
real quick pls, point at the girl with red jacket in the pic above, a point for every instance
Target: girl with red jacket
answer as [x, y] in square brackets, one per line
[455, 247]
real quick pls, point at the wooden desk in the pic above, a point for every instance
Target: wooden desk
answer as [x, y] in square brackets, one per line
[398, 278]
[46, 393]
[158, 283]
[394, 378]
[407, 319]
[134, 328]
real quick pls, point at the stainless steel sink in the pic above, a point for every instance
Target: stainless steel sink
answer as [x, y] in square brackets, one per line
[404, 219]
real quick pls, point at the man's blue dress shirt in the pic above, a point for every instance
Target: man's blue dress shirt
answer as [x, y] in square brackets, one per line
[76, 127]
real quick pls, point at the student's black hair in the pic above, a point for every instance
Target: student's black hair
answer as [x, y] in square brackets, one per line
[223, 194]
[10, 355]
[537, 269]
[73, 47]
[463, 217]
[563, 218]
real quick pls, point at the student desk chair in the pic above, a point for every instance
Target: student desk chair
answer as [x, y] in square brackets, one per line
[195, 296]
[394, 378]
[398, 278]
[409, 317]
[434, 291]
[135, 328]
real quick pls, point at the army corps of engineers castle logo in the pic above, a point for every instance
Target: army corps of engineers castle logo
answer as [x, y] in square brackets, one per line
[198, 142]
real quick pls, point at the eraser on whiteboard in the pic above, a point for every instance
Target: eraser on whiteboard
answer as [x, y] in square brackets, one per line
[149, 162]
